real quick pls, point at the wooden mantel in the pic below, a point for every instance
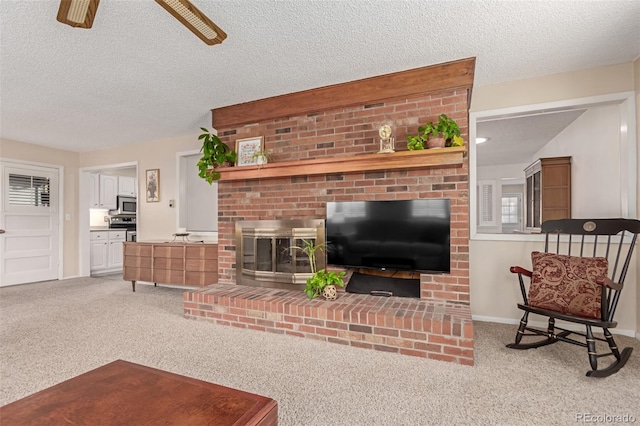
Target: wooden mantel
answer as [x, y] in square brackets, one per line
[365, 162]
[456, 75]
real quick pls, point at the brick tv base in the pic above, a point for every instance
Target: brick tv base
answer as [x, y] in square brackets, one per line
[438, 330]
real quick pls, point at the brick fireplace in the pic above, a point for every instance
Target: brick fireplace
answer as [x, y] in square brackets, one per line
[438, 325]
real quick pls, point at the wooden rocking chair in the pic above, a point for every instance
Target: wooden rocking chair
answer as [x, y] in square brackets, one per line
[581, 288]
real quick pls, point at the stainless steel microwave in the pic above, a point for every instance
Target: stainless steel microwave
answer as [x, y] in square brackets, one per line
[126, 206]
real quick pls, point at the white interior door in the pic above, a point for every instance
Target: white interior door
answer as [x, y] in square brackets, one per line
[29, 218]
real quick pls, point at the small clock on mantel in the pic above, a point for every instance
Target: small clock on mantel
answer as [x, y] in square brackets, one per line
[387, 142]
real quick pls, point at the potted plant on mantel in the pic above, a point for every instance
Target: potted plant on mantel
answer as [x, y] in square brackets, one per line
[215, 153]
[445, 132]
[261, 157]
[322, 282]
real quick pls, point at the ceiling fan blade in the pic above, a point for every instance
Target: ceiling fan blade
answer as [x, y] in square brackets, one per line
[78, 13]
[195, 20]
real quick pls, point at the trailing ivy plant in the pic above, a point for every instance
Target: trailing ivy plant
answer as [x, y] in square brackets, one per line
[415, 143]
[215, 153]
[320, 278]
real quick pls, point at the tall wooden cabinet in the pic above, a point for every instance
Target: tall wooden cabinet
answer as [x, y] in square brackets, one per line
[548, 190]
[189, 264]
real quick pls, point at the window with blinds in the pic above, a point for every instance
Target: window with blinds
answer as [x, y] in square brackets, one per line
[27, 190]
[487, 199]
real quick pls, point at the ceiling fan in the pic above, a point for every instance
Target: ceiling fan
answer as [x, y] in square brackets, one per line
[80, 14]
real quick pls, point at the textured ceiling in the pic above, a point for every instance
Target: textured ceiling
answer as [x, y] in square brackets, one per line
[139, 75]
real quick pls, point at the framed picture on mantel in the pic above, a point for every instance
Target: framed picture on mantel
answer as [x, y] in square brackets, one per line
[153, 185]
[246, 148]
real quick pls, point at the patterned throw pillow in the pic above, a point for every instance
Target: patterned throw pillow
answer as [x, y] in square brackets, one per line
[567, 284]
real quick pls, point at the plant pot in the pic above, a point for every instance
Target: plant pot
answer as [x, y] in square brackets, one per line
[434, 142]
[330, 292]
[261, 159]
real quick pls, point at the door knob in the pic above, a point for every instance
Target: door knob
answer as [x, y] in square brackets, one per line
[2, 231]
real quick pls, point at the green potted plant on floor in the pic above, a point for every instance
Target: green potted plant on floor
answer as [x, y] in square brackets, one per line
[321, 282]
[215, 154]
[445, 132]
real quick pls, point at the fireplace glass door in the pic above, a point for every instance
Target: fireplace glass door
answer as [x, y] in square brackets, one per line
[267, 253]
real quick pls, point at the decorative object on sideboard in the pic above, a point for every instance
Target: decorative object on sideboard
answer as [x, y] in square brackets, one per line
[247, 149]
[215, 154]
[387, 142]
[153, 185]
[445, 132]
[183, 235]
[322, 279]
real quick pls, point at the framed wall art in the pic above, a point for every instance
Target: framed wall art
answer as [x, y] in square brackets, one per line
[246, 148]
[153, 185]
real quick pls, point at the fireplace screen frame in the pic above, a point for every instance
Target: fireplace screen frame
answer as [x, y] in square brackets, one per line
[249, 232]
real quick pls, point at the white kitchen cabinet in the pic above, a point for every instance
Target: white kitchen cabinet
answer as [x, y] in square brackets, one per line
[94, 202]
[106, 188]
[116, 238]
[99, 250]
[108, 191]
[106, 250]
[127, 186]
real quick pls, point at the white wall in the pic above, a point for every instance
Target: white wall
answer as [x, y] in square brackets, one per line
[502, 171]
[494, 290]
[156, 221]
[593, 142]
[96, 218]
[15, 150]
[598, 81]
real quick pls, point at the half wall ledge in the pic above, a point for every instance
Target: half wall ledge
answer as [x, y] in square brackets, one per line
[441, 157]
[423, 328]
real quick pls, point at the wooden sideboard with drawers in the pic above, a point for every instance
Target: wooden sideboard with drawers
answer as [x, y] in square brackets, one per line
[188, 264]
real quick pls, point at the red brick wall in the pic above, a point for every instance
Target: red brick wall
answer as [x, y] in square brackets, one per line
[347, 132]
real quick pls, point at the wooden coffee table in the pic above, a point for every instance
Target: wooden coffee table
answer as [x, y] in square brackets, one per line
[123, 393]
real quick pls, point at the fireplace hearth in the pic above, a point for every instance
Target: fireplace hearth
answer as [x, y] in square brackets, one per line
[266, 255]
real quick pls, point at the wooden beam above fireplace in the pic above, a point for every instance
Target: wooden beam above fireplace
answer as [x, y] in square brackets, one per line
[359, 163]
[457, 75]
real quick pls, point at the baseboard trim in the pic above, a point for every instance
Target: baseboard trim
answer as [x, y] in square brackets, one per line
[68, 277]
[543, 324]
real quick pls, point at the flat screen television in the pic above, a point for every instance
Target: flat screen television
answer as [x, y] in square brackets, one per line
[407, 235]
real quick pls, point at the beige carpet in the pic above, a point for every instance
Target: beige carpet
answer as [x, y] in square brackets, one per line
[52, 331]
